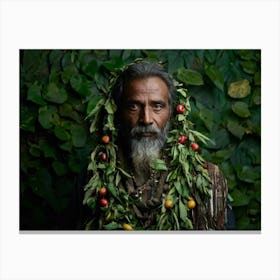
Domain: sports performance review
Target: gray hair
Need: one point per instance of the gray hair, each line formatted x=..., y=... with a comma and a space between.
x=142, y=70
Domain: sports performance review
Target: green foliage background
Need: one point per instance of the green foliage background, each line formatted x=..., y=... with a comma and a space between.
x=58, y=88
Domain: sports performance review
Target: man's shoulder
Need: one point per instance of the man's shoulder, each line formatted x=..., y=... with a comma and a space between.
x=217, y=177
x=215, y=209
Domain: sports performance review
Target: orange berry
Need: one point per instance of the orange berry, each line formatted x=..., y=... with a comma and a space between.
x=103, y=191
x=105, y=139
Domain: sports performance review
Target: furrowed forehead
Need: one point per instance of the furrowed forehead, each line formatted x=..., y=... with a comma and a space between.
x=153, y=86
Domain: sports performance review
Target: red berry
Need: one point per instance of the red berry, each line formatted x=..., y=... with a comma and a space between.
x=103, y=156
x=195, y=146
x=182, y=139
x=103, y=191
x=103, y=202
x=180, y=109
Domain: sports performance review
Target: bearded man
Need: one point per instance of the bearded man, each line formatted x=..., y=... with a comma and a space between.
x=144, y=97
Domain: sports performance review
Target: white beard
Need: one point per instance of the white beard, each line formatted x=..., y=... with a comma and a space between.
x=145, y=150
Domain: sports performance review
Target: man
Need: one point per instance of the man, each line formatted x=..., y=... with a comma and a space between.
x=144, y=96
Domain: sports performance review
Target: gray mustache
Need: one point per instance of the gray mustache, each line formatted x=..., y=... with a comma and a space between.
x=144, y=129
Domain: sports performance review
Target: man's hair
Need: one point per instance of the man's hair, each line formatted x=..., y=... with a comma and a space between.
x=142, y=70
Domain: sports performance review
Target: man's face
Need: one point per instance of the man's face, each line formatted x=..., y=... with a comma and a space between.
x=145, y=103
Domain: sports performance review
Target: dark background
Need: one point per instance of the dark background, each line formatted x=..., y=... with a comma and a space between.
x=58, y=89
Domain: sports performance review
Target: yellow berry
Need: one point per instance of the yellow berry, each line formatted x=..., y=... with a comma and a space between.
x=168, y=204
x=191, y=204
x=127, y=227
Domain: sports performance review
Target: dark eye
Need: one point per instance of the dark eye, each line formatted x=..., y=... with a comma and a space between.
x=132, y=107
x=158, y=106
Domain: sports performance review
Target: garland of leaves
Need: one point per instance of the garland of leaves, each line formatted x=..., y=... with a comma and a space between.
x=187, y=177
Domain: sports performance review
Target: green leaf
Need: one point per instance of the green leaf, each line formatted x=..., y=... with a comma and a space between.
x=28, y=118
x=223, y=155
x=59, y=168
x=61, y=133
x=48, y=149
x=171, y=176
x=243, y=223
x=68, y=72
x=182, y=211
x=236, y=129
x=210, y=55
x=180, y=117
x=188, y=178
x=110, y=106
x=257, y=78
x=248, y=174
x=35, y=150
x=79, y=135
x=181, y=189
x=215, y=76
x=66, y=110
x=176, y=220
x=247, y=54
x=190, y=77
x=75, y=163
x=112, y=189
x=117, y=178
x=229, y=173
x=241, y=109
x=55, y=94
x=109, y=170
x=162, y=221
x=159, y=164
x=124, y=172
x=80, y=84
x=110, y=122
x=47, y=116
x=91, y=202
x=93, y=102
x=175, y=61
x=102, y=82
x=239, y=198
x=99, y=103
x=207, y=117
x=90, y=68
x=201, y=137
x=67, y=146
x=239, y=89
x=34, y=94
x=111, y=226
x=182, y=92
x=248, y=152
x=189, y=224
x=219, y=139
x=114, y=63
x=198, y=181
x=249, y=67
x=257, y=95
x=175, y=152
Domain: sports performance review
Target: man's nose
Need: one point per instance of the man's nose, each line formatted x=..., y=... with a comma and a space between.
x=146, y=117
